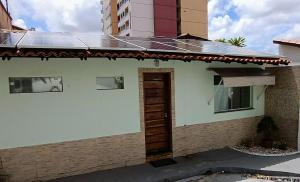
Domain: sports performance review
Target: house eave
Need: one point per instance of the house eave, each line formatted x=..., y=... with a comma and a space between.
x=7, y=53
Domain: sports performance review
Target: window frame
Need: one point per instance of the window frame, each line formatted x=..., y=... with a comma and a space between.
x=111, y=88
x=217, y=81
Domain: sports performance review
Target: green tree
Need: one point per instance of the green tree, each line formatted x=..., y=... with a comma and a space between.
x=236, y=41
x=221, y=40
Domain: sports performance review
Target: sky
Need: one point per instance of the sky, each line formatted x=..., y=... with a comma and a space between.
x=259, y=21
x=57, y=15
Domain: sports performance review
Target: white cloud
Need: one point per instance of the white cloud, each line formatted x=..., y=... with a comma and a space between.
x=260, y=21
x=20, y=23
x=60, y=15
x=292, y=33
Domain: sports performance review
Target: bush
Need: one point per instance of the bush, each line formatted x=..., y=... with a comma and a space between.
x=281, y=144
x=248, y=143
x=268, y=129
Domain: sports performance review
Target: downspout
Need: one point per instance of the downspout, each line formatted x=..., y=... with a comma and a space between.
x=178, y=8
x=6, y=3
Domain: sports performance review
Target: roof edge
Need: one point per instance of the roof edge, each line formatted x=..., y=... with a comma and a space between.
x=7, y=53
x=285, y=42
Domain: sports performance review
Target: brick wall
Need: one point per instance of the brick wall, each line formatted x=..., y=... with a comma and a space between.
x=202, y=137
x=70, y=158
x=77, y=157
x=282, y=102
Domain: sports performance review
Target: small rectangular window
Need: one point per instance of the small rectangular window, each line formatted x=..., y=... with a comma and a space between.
x=35, y=84
x=110, y=83
x=232, y=98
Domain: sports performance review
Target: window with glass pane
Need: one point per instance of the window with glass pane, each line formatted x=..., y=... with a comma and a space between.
x=232, y=98
x=110, y=83
x=35, y=84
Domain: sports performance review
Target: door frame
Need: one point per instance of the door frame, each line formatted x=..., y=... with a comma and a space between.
x=170, y=71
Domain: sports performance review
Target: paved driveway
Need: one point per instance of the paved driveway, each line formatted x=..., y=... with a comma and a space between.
x=218, y=160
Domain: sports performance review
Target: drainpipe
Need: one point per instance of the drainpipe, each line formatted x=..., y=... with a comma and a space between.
x=6, y=2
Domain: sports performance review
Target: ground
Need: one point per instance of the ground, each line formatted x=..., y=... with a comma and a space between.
x=226, y=160
x=224, y=178
x=219, y=177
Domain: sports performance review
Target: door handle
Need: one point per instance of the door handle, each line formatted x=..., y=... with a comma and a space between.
x=166, y=115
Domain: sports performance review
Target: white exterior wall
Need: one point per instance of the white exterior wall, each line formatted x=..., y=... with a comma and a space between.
x=124, y=19
x=291, y=52
x=106, y=17
x=82, y=112
x=141, y=18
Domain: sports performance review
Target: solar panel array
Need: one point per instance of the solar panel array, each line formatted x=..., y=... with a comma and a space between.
x=10, y=39
x=98, y=41
x=51, y=41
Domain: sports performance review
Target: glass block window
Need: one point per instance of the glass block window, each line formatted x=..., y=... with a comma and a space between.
x=110, y=83
x=35, y=84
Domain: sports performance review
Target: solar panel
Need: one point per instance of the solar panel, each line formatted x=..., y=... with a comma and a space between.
x=10, y=39
x=51, y=41
x=154, y=44
x=98, y=41
x=219, y=48
x=187, y=47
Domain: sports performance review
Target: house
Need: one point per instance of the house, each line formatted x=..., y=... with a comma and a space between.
x=73, y=103
x=148, y=18
x=289, y=48
x=287, y=89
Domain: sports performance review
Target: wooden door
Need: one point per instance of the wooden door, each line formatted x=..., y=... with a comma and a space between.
x=157, y=108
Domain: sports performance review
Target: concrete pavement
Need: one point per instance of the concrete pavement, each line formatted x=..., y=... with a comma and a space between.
x=226, y=159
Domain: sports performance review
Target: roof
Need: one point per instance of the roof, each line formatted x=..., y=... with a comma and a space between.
x=85, y=45
x=295, y=43
x=190, y=36
x=15, y=27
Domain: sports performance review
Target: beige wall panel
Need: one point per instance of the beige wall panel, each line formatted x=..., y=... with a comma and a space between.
x=197, y=29
x=198, y=138
x=52, y=161
x=194, y=4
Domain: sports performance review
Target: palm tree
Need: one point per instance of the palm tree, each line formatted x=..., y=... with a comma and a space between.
x=238, y=41
x=223, y=40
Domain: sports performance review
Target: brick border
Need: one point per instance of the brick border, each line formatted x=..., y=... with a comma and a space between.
x=57, y=160
x=141, y=72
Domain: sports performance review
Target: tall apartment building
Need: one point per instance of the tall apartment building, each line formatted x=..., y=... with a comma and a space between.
x=146, y=18
x=5, y=18
x=109, y=17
